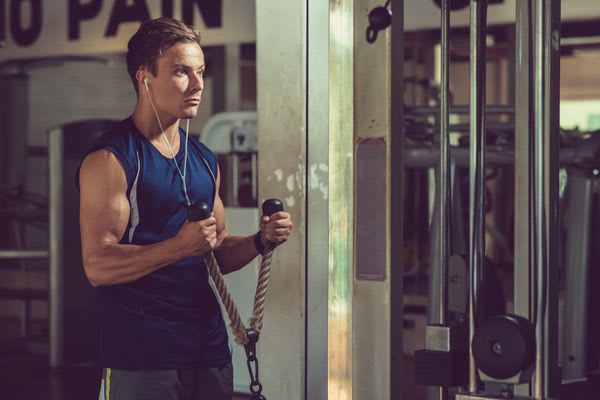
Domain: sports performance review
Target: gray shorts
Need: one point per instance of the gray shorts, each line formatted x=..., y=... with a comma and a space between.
x=168, y=384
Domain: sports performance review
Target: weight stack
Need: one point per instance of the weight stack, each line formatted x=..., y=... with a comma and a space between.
x=445, y=360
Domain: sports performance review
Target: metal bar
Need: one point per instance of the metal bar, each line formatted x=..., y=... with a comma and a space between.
x=444, y=169
x=425, y=156
x=23, y=254
x=497, y=126
x=458, y=109
x=539, y=254
x=539, y=229
x=428, y=157
x=522, y=218
x=460, y=396
x=55, y=233
x=476, y=171
x=396, y=199
x=578, y=227
x=545, y=175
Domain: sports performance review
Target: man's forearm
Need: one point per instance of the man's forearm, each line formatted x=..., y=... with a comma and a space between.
x=123, y=263
x=235, y=252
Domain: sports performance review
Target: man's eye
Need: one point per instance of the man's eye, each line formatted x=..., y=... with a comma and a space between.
x=180, y=72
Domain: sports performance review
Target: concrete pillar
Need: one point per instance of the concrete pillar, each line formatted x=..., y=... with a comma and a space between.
x=281, y=134
x=371, y=294
x=331, y=331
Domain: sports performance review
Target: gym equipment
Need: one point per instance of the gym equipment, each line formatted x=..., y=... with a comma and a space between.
x=247, y=337
x=232, y=137
x=444, y=360
x=504, y=348
x=512, y=349
x=379, y=19
x=460, y=4
x=453, y=4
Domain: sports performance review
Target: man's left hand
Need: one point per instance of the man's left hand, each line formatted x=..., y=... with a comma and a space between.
x=276, y=228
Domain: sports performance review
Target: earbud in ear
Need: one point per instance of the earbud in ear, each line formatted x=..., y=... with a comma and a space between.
x=146, y=84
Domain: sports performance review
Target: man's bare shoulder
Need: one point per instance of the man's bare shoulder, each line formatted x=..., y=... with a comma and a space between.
x=102, y=166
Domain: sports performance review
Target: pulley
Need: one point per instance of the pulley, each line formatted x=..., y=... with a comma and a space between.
x=503, y=346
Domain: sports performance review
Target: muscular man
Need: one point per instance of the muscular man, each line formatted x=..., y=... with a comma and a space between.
x=162, y=333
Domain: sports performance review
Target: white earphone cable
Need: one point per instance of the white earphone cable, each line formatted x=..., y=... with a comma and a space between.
x=187, y=132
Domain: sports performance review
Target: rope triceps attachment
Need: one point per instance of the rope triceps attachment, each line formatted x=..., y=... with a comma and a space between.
x=252, y=363
x=247, y=337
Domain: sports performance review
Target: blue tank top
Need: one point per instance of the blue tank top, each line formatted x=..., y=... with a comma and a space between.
x=170, y=318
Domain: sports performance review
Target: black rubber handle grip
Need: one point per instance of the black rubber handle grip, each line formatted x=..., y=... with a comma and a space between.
x=201, y=211
x=271, y=206
x=198, y=211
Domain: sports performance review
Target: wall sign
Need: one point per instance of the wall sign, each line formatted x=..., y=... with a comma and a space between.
x=34, y=28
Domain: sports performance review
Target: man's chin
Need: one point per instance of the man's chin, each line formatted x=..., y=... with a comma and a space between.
x=187, y=114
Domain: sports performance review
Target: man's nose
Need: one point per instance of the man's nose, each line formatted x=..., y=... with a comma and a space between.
x=197, y=83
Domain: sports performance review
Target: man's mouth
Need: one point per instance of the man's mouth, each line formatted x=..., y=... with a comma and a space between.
x=193, y=101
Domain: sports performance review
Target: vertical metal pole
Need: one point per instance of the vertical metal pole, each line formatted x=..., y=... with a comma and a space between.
x=523, y=132
x=396, y=185
x=476, y=171
x=547, y=46
x=444, y=170
x=539, y=228
x=444, y=167
x=56, y=278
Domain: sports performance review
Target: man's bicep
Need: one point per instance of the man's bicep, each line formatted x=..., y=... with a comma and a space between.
x=104, y=209
x=218, y=207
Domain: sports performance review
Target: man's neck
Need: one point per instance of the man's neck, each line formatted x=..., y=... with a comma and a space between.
x=146, y=122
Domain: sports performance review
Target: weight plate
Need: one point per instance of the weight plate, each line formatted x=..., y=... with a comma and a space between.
x=503, y=346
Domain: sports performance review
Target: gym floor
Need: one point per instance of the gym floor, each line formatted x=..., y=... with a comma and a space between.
x=27, y=377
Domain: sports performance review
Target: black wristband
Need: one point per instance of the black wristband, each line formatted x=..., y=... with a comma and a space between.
x=258, y=244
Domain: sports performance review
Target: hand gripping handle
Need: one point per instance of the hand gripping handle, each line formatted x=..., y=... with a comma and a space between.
x=271, y=206
x=198, y=211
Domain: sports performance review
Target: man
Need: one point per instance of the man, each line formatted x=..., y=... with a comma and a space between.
x=162, y=333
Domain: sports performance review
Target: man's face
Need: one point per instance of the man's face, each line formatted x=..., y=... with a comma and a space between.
x=177, y=87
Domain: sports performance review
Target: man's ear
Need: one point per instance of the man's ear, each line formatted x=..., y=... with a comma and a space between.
x=141, y=76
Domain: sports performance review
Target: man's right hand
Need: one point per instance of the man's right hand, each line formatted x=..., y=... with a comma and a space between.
x=198, y=237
